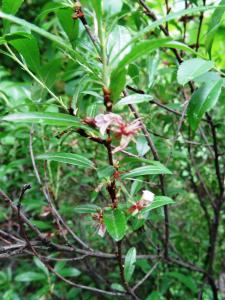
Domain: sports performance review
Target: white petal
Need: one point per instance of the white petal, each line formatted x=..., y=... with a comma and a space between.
x=148, y=196
x=101, y=230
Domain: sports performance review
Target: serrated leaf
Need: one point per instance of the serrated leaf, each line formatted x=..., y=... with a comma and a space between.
x=115, y=222
x=202, y=100
x=129, y=265
x=67, y=158
x=155, y=169
x=193, y=68
x=159, y=201
x=134, y=99
x=86, y=209
x=44, y=118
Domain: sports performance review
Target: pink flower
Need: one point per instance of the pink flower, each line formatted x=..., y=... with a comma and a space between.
x=146, y=200
x=98, y=218
x=125, y=131
x=104, y=121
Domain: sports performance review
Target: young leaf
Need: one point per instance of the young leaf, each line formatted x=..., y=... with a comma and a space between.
x=56, y=119
x=134, y=99
x=215, y=22
x=129, y=265
x=155, y=169
x=115, y=222
x=193, y=68
x=158, y=202
x=67, y=158
x=202, y=100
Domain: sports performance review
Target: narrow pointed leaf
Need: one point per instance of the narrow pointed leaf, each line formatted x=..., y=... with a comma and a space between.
x=86, y=209
x=45, y=118
x=67, y=158
x=134, y=99
x=155, y=169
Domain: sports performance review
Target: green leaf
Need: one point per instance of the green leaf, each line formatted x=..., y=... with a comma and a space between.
x=112, y=6
x=156, y=169
x=215, y=22
x=67, y=158
x=70, y=26
x=117, y=39
x=56, y=119
x=117, y=83
x=193, y=68
x=69, y=272
x=106, y=171
x=202, y=100
x=30, y=276
x=28, y=48
x=10, y=7
x=129, y=265
x=86, y=209
x=7, y=38
x=56, y=39
x=41, y=266
x=142, y=146
x=142, y=48
x=115, y=222
x=134, y=99
x=117, y=287
x=159, y=201
x=185, y=279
